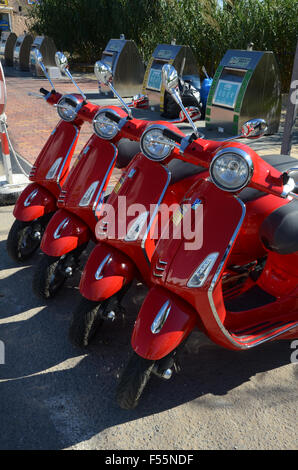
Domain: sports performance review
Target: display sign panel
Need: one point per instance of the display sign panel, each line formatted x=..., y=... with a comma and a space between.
x=154, y=80
x=226, y=93
x=242, y=62
x=115, y=46
x=165, y=54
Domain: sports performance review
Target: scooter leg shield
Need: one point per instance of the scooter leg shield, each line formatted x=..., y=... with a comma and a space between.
x=106, y=272
x=164, y=321
x=34, y=202
x=64, y=233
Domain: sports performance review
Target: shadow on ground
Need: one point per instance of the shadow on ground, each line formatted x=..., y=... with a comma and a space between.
x=55, y=396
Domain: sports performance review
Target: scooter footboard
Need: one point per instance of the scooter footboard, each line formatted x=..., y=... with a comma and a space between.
x=34, y=202
x=106, y=272
x=64, y=233
x=164, y=321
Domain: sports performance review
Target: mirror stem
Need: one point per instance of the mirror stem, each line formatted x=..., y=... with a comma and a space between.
x=179, y=102
x=73, y=81
x=46, y=74
x=121, y=101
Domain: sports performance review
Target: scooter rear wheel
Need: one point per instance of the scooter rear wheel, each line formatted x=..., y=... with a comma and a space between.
x=133, y=381
x=21, y=242
x=86, y=321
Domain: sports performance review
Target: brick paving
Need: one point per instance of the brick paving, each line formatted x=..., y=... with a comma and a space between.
x=31, y=120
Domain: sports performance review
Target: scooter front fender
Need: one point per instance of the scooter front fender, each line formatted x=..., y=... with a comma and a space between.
x=34, y=202
x=64, y=233
x=164, y=321
x=106, y=272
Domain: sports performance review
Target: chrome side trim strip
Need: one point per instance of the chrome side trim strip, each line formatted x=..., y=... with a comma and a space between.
x=217, y=274
x=155, y=212
x=69, y=150
x=95, y=208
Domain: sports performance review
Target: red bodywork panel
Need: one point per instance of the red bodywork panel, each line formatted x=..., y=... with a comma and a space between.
x=180, y=322
x=116, y=271
x=34, y=201
x=64, y=233
x=145, y=185
x=222, y=326
x=60, y=145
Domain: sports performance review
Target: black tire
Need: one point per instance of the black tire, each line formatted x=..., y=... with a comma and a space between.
x=86, y=321
x=20, y=244
x=48, y=278
x=133, y=381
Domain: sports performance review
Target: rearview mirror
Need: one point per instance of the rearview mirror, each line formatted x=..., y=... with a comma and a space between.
x=254, y=129
x=61, y=61
x=37, y=55
x=103, y=72
x=170, y=78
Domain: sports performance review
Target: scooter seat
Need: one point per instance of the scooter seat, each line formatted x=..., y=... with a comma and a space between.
x=127, y=149
x=180, y=170
x=281, y=163
x=279, y=231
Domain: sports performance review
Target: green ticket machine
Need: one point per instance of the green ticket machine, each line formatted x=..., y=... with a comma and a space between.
x=125, y=60
x=246, y=85
x=182, y=58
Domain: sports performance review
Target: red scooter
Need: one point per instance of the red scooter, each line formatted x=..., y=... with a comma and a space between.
x=126, y=242
x=81, y=199
x=37, y=203
x=240, y=286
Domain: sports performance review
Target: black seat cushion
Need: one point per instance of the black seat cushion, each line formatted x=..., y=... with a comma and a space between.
x=127, y=149
x=279, y=231
x=180, y=170
x=281, y=163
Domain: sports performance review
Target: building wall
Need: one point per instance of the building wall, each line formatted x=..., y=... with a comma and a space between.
x=18, y=15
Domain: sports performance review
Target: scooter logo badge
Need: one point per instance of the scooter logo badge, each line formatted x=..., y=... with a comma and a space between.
x=61, y=226
x=30, y=198
x=161, y=318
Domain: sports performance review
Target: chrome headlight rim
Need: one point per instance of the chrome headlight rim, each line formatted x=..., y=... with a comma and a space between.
x=150, y=129
x=78, y=105
x=245, y=157
x=102, y=112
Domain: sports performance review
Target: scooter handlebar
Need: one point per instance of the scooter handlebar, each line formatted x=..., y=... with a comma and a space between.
x=173, y=135
x=113, y=116
x=44, y=91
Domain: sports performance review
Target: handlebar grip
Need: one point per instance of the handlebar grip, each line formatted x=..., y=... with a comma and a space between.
x=113, y=116
x=44, y=91
x=173, y=135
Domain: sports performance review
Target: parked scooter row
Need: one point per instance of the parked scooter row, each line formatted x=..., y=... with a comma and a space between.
x=237, y=283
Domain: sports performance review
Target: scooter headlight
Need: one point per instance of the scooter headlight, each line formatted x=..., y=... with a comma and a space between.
x=68, y=107
x=104, y=127
x=155, y=145
x=231, y=169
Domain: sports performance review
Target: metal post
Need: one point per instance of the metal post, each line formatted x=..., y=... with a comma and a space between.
x=5, y=150
x=291, y=110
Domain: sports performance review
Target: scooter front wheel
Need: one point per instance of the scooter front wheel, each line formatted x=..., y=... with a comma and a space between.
x=24, y=239
x=86, y=321
x=133, y=381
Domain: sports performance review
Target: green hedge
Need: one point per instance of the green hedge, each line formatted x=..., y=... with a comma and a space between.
x=83, y=27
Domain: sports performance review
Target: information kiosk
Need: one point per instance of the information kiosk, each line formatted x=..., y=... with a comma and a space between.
x=182, y=58
x=245, y=86
x=48, y=49
x=7, y=44
x=21, y=52
x=124, y=58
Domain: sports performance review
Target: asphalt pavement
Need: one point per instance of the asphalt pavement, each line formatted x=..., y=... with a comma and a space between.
x=54, y=396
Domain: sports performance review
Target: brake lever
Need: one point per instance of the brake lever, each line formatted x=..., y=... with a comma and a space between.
x=36, y=95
